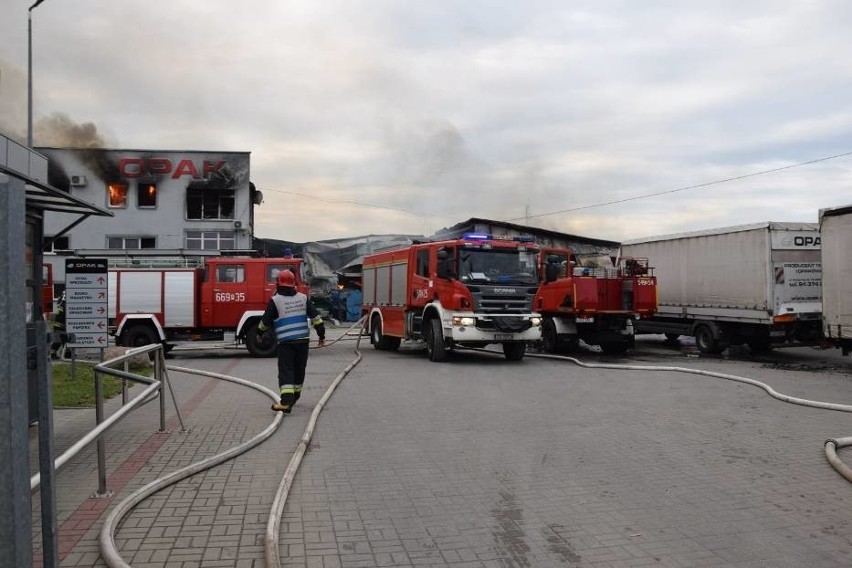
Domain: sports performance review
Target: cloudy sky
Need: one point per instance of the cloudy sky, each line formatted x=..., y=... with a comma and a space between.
x=380, y=116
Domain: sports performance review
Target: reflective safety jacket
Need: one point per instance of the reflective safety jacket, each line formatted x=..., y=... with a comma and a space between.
x=289, y=315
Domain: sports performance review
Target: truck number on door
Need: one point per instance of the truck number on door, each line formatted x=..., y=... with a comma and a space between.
x=230, y=296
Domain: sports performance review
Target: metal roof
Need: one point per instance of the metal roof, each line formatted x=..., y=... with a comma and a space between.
x=43, y=197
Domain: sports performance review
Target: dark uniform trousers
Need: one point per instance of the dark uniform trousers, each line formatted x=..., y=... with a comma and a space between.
x=292, y=362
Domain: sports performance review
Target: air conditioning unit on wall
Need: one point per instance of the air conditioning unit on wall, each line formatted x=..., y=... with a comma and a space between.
x=238, y=225
x=78, y=181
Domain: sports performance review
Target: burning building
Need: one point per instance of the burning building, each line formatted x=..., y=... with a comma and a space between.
x=165, y=203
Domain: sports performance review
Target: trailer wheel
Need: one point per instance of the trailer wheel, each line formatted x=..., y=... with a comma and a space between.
x=514, y=351
x=260, y=343
x=706, y=340
x=379, y=340
x=140, y=335
x=435, y=345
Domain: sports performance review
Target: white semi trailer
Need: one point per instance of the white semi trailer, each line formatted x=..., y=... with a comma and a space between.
x=756, y=284
x=836, y=233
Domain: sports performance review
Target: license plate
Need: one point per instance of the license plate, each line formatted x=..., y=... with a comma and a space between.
x=585, y=320
x=503, y=336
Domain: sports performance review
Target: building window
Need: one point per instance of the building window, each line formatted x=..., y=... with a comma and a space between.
x=230, y=273
x=59, y=243
x=209, y=203
x=117, y=195
x=146, y=195
x=131, y=243
x=210, y=240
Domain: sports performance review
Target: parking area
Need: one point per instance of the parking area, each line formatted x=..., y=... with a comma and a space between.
x=484, y=462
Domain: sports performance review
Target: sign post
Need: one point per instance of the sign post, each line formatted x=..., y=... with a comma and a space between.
x=86, y=309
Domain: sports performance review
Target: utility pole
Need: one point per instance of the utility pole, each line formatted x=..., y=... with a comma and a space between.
x=30, y=73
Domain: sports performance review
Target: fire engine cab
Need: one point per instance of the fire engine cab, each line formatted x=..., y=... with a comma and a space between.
x=219, y=299
x=473, y=291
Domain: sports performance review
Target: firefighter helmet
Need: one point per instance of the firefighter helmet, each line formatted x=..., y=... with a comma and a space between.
x=286, y=279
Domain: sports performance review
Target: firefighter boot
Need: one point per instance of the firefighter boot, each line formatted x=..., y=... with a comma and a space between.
x=281, y=407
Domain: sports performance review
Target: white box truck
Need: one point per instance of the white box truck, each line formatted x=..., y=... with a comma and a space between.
x=835, y=226
x=756, y=284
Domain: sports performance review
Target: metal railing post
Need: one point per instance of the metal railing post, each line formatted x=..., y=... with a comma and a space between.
x=101, y=443
x=158, y=372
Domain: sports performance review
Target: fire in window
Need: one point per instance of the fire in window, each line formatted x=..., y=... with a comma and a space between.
x=146, y=195
x=117, y=195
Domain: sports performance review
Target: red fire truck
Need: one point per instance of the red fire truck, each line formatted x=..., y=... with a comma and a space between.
x=595, y=303
x=473, y=291
x=220, y=299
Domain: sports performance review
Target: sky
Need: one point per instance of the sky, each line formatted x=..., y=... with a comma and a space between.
x=390, y=117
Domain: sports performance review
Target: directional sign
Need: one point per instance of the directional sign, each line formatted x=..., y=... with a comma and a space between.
x=86, y=306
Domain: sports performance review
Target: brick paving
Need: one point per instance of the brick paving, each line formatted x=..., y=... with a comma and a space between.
x=478, y=463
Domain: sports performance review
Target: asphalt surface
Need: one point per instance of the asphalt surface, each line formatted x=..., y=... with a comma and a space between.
x=479, y=462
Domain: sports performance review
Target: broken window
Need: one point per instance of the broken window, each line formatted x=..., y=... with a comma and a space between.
x=209, y=203
x=146, y=195
x=117, y=195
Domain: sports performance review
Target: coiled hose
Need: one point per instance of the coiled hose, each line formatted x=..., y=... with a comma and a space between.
x=109, y=551
x=831, y=445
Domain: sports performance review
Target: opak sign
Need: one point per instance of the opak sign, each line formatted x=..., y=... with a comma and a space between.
x=86, y=301
x=138, y=167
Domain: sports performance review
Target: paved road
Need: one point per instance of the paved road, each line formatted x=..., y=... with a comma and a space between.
x=484, y=463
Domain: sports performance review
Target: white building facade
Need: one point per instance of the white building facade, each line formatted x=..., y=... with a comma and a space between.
x=165, y=203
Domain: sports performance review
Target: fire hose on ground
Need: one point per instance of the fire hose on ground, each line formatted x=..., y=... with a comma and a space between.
x=831, y=445
x=107, y=535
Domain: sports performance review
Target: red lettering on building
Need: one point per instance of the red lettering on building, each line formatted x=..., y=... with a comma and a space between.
x=159, y=165
x=184, y=168
x=131, y=167
x=139, y=167
x=210, y=167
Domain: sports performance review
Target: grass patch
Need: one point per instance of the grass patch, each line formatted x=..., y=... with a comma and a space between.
x=80, y=390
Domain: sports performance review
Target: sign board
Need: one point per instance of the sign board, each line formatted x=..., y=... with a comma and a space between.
x=86, y=301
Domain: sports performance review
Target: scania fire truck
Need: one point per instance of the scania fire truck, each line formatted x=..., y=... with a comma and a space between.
x=221, y=299
x=473, y=291
x=596, y=302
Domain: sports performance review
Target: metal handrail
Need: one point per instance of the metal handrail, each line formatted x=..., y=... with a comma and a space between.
x=155, y=385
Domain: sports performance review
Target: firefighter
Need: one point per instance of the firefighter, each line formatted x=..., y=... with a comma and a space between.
x=288, y=313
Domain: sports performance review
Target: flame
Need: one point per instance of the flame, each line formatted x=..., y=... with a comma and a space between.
x=117, y=194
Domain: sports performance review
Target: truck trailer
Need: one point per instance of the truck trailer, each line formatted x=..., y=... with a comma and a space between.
x=473, y=291
x=757, y=284
x=835, y=226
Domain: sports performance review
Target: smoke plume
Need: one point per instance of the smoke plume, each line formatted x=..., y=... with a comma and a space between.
x=59, y=131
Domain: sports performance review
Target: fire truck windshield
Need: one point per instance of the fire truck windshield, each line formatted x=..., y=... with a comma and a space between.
x=496, y=266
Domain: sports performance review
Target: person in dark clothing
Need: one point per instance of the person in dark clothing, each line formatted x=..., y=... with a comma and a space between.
x=288, y=313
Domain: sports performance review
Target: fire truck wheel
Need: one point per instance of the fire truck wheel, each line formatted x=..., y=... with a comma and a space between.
x=260, y=343
x=435, y=346
x=139, y=335
x=514, y=351
x=549, y=338
x=381, y=341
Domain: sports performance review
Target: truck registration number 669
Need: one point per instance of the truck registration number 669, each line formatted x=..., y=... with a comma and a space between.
x=230, y=297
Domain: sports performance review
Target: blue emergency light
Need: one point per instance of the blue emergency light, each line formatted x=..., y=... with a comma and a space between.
x=477, y=236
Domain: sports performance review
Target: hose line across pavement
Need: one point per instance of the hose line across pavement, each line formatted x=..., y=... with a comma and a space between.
x=108, y=548
x=831, y=445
